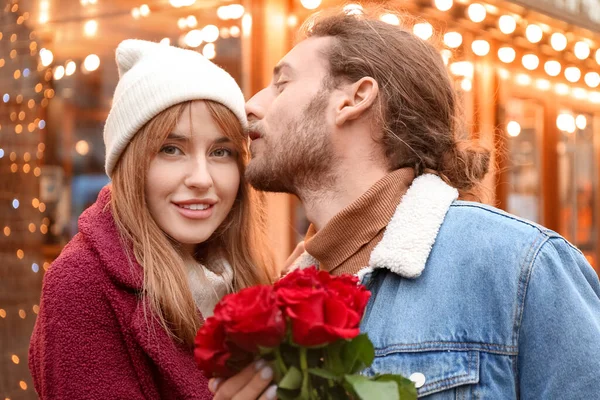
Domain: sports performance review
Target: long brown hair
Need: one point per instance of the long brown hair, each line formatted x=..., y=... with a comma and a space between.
x=417, y=110
x=241, y=239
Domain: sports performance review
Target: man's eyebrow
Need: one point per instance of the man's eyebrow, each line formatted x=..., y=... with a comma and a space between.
x=279, y=67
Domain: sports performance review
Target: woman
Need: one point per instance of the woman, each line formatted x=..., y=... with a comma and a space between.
x=176, y=230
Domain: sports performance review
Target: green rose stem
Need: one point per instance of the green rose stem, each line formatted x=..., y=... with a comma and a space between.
x=304, y=367
x=280, y=363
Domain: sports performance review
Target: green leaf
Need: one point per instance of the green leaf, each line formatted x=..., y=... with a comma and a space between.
x=287, y=394
x=358, y=354
x=323, y=373
x=292, y=380
x=333, y=358
x=406, y=387
x=367, y=389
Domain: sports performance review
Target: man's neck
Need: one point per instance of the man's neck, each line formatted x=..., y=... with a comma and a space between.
x=351, y=182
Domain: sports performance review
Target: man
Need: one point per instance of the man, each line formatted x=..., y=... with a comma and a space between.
x=360, y=123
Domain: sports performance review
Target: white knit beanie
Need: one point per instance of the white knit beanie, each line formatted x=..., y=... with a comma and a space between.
x=154, y=77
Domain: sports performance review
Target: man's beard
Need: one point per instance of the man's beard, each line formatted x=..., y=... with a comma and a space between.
x=302, y=160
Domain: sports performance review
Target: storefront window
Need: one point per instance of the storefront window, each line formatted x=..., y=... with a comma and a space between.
x=524, y=126
x=577, y=181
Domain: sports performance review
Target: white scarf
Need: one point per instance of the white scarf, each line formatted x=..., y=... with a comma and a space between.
x=207, y=287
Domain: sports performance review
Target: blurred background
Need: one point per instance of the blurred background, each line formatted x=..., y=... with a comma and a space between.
x=527, y=72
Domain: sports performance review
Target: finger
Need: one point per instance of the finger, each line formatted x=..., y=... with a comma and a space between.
x=260, y=381
x=227, y=389
x=270, y=393
x=213, y=384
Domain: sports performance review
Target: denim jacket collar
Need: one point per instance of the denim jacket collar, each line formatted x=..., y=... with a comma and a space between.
x=411, y=233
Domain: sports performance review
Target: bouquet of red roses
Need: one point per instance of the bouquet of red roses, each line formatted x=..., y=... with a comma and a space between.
x=307, y=327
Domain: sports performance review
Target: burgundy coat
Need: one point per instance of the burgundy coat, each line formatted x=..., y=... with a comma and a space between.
x=92, y=339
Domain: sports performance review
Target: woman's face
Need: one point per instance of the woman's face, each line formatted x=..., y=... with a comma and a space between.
x=192, y=182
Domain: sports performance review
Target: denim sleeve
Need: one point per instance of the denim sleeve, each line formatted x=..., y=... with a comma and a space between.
x=559, y=335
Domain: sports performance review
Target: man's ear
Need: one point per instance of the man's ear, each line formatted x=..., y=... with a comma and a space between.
x=358, y=99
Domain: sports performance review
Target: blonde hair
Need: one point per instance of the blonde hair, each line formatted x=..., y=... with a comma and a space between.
x=241, y=239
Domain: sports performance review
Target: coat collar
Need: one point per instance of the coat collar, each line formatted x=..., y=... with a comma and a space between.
x=411, y=233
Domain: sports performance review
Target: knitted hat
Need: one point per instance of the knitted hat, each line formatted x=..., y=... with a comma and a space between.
x=154, y=77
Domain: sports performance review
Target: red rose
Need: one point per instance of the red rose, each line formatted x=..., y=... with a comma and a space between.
x=211, y=352
x=251, y=318
x=321, y=308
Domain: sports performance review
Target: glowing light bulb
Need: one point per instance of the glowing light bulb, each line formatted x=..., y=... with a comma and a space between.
x=476, y=12
x=542, y=84
x=581, y=121
x=558, y=41
x=480, y=47
x=582, y=50
x=513, y=128
x=592, y=79
x=390, y=19
x=573, y=74
x=507, y=54
x=530, y=61
x=91, y=63
x=507, y=24
x=70, y=68
x=90, y=28
x=424, y=30
x=443, y=5
x=310, y=4
x=193, y=38
x=552, y=68
x=453, y=39
x=59, y=72
x=210, y=33
x=46, y=57
x=534, y=33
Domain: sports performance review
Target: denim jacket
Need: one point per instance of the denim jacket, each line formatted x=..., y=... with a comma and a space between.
x=470, y=302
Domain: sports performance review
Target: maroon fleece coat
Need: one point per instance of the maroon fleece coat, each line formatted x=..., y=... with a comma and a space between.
x=92, y=338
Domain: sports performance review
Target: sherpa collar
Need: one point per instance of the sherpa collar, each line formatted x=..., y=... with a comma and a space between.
x=411, y=233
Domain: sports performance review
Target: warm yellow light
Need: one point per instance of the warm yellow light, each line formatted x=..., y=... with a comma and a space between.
x=573, y=74
x=552, y=68
x=443, y=5
x=462, y=68
x=32, y=227
x=144, y=10
x=46, y=57
x=165, y=41
x=561, y=89
x=59, y=72
x=566, y=123
x=592, y=79
x=70, y=68
x=558, y=41
x=23, y=385
x=234, y=31
x=424, y=30
x=594, y=97
x=466, y=85
x=579, y=93
x=476, y=12
x=598, y=56
x=193, y=38
x=507, y=54
x=82, y=147
x=210, y=33
x=523, y=79
x=191, y=21
x=530, y=61
x=20, y=254
x=353, y=9
x=446, y=56
x=90, y=28
x=582, y=50
x=27, y=157
x=36, y=308
x=182, y=23
x=581, y=121
x=91, y=63
x=310, y=4
x=453, y=39
x=391, y=19
x=135, y=13
x=35, y=203
x=513, y=128
x=534, y=33
x=542, y=84
x=209, y=51
x=6, y=231
x=480, y=47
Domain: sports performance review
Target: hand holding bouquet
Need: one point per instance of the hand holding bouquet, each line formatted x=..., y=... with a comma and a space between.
x=307, y=328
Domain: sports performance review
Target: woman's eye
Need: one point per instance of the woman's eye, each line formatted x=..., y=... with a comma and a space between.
x=221, y=153
x=170, y=150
